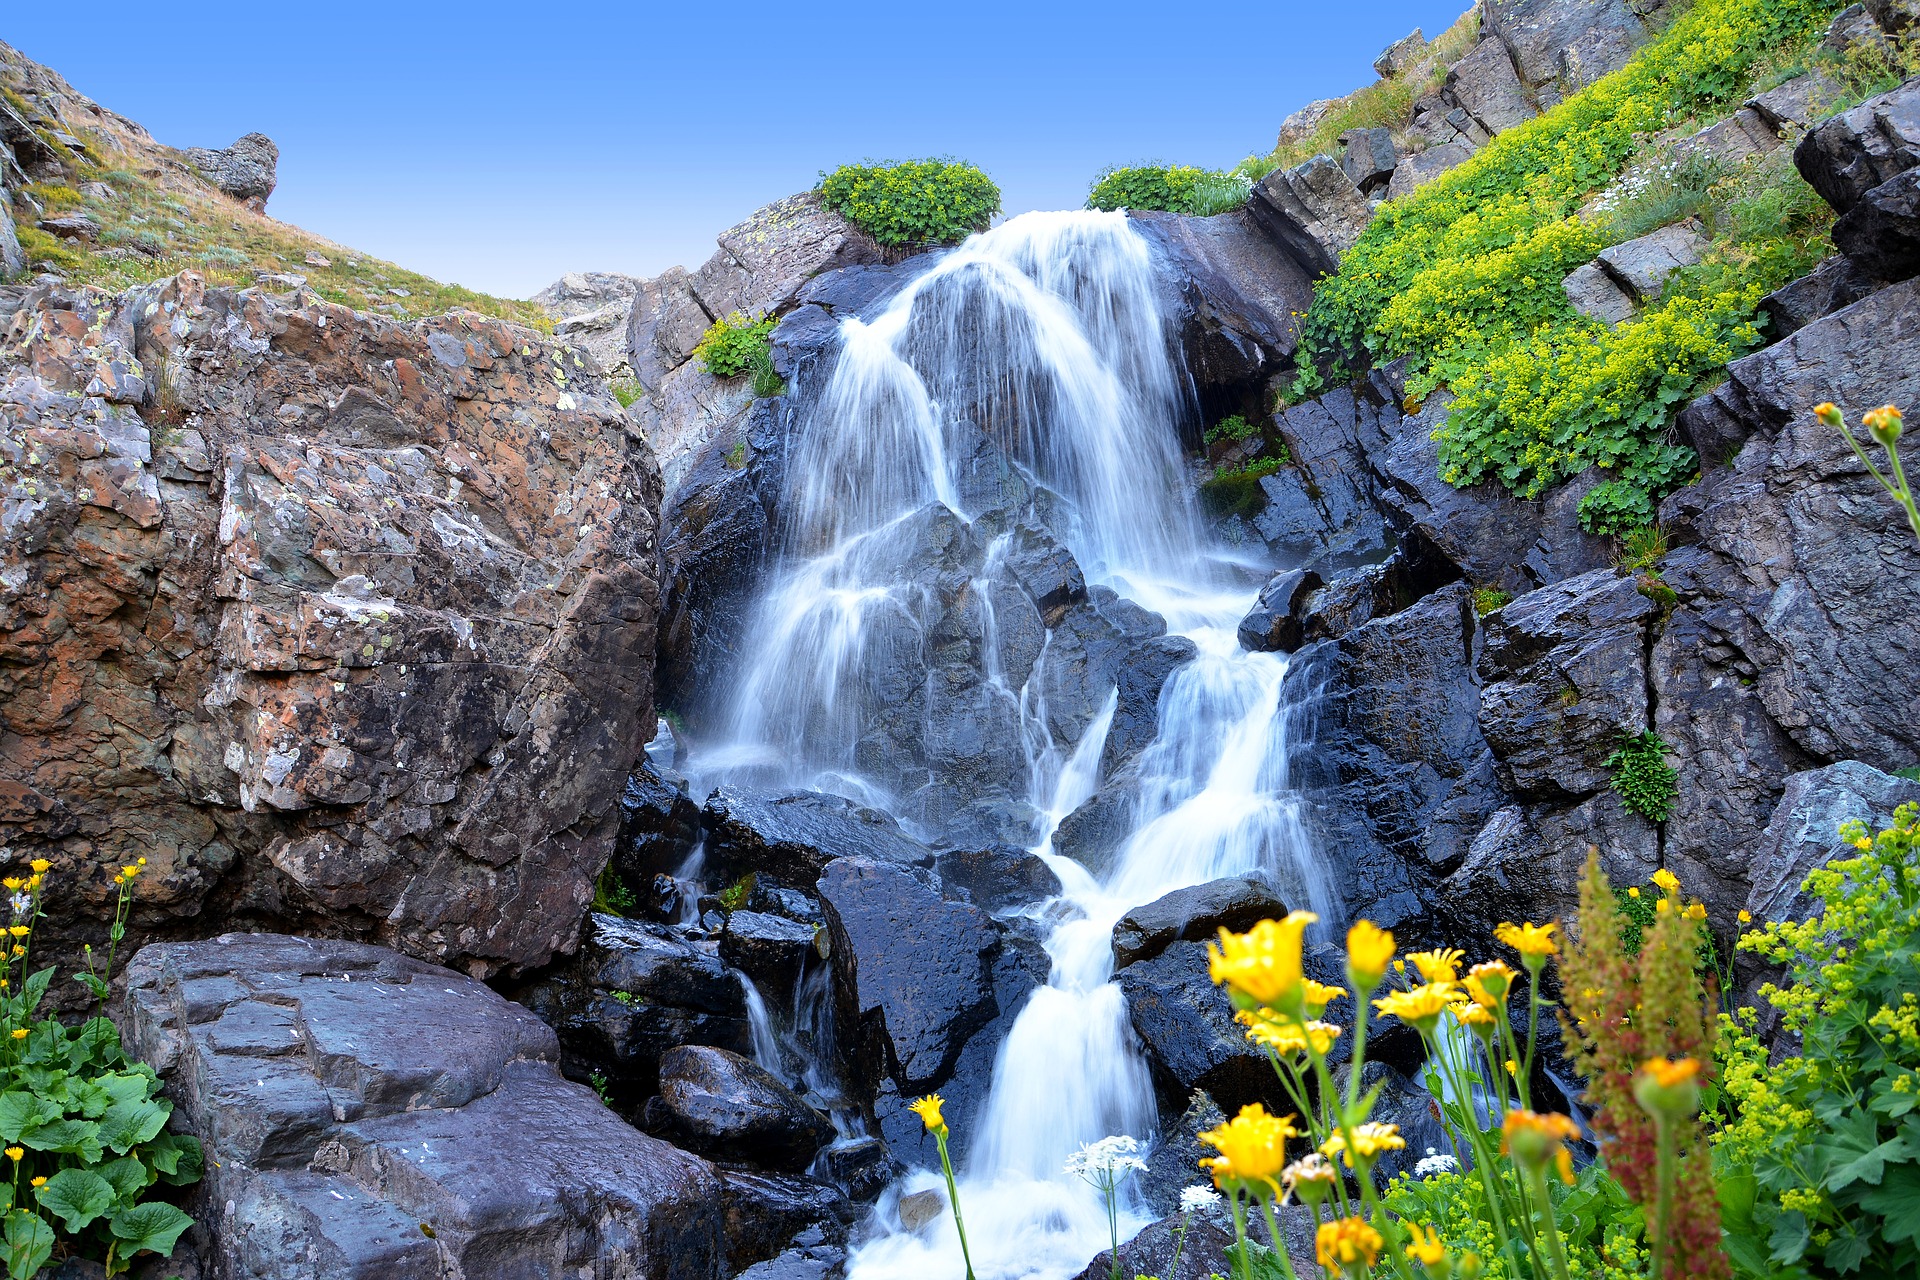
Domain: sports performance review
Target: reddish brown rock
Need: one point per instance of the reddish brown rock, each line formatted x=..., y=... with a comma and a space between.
x=346, y=625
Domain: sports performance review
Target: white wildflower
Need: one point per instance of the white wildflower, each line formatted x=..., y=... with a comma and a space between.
x=1199, y=1200
x=20, y=902
x=1434, y=1163
x=1106, y=1161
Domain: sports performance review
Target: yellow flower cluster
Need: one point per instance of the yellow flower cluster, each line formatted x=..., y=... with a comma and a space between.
x=1262, y=967
x=1253, y=1151
x=1370, y=1141
x=1350, y=1244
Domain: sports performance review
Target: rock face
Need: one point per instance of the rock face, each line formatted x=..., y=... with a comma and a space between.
x=724, y=1106
x=1194, y=913
x=247, y=170
x=335, y=620
x=1804, y=834
x=1314, y=211
x=591, y=310
x=349, y=1097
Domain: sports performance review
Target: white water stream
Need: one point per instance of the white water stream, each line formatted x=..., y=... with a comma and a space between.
x=1050, y=330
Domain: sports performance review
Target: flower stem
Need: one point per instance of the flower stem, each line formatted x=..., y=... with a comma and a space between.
x=1555, y=1250
x=953, y=1198
x=1663, y=1202
x=1273, y=1234
x=1242, y=1262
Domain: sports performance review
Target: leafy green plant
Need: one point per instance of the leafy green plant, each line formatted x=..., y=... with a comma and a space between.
x=1487, y=599
x=84, y=1127
x=1644, y=780
x=1462, y=278
x=1235, y=491
x=611, y=894
x=1233, y=428
x=767, y=381
x=1175, y=188
x=737, y=456
x=732, y=343
x=626, y=391
x=907, y=202
x=1820, y=1164
x=1641, y=548
x=734, y=896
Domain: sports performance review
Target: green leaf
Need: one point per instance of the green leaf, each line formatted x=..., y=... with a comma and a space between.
x=152, y=1226
x=128, y=1124
x=76, y=1197
x=1848, y=1248
x=1789, y=1238
x=178, y=1158
x=36, y=988
x=22, y=1113
x=29, y=1243
x=127, y=1176
x=95, y=985
x=1856, y=1152
x=72, y=1137
x=1897, y=1198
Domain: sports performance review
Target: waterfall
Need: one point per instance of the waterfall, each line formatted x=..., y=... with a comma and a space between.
x=1045, y=337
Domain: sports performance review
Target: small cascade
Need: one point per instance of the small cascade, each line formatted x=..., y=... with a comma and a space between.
x=1035, y=353
x=766, y=1047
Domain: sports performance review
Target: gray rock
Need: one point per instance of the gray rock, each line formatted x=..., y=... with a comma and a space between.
x=773, y=1215
x=1173, y=1164
x=1566, y=680
x=1526, y=862
x=1203, y=1251
x=1414, y=571
x=910, y=965
x=1402, y=55
x=12, y=260
x=1575, y=41
x=1882, y=232
x=1797, y=104
x=763, y=262
x=999, y=876
x=1804, y=834
x=72, y=226
x=247, y=170
x=790, y=838
x=1299, y=125
x=1323, y=510
x=1485, y=85
x=347, y=1095
x=1369, y=157
x=1837, y=282
x=729, y=1108
x=1273, y=624
x=1187, y=1027
x=1314, y=211
x=1894, y=16
x=769, y=949
x=1238, y=295
x=1422, y=167
x=1595, y=294
x=593, y=310
x=1853, y=29
x=1730, y=142
x=1849, y=155
x=1195, y=913
x=1641, y=266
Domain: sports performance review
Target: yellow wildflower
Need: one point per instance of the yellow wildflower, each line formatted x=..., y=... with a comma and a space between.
x=1348, y=1243
x=1489, y=983
x=1470, y=1014
x=16, y=1154
x=1284, y=1035
x=1419, y=1007
x=1534, y=942
x=1634, y=891
x=1262, y=965
x=19, y=930
x=1369, y=951
x=1318, y=995
x=1745, y=916
x=1438, y=966
x=1533, y=1139
x=1667, y=881
x=1423, y=1245
x=1370, y=1141
x=40, y=866
x=19, y=1033
x=1697, y=911
x=1310, y=1178
x=1668, y=1087
x=40, y=1181
x=928, y=1109
x=1253, y=1150
x=13, y=883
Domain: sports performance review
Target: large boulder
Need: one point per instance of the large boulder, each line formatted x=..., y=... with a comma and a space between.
x=1568, y=43
x=791, y=838
x=729, y=1108
x=369, y=1117
x=912, y=973
x=591, y=309
x=1849, y=155
x=1195, y=913
x=1804, y=834
x=333, y=619
x=247, y=170
x=1882, y=232
x=1186, y=1025
x=1484, y=84
x=1314, y=211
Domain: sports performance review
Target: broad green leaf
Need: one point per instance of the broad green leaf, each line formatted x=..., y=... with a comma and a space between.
x=76, y=1197
x=21, y=1113
x=1789, y=1238
x=127, y=1176
x=1856, y=1152
x=1897, y=1198
x=1848, y=1249
x=36, y=988
x=184, y=1161
x=29, y=1243
x=128, y=1124
x=73, y=1137
x=152, y=1226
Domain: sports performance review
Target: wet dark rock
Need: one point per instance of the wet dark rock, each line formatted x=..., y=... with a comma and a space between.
x=1094, y=832
x=1565, y=668
x=1393, y=754
x=634, y=991
x=1046, y=571
x=1174, y=1163
x=1238, y=293
x=911, y=966
x=816, y=1262
x=863, y=1166
x=1838, y=282
x=1804, y=834
x=769, y=949
x=1203, y=1253
x=727, y=1107
x=1527, y=861
x=1273, y=624
x=659, y=827
x=1882, y=232
x=767, y=1212
x=1414, y=571
x=346, y=1095
x=1851, y=154
x=999, y=876
x=1400, y=1101
x=1322, y=510
x=1314, y=211
x=791, y=838
x=1096, y=652
x=1187, y=1027
x=1195, y=913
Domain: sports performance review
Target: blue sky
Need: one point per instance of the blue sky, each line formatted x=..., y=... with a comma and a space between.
x=498, y=147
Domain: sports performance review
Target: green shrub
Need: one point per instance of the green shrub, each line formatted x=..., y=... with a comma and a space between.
x=1174, y=188
x=1646, y=783
x=626, y=391
x=1234, y=427
x=767, y=381
x=1487, y=600
x=913, y=201
x=83, y=1126
x=1462, y=278
x=731, y=344
x=1820, y=1164
x=1235, y=491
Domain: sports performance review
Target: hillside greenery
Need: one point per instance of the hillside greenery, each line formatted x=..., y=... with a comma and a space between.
x=1176, y=188
x=160, y=221
x=1462, y=278
x=913, y=202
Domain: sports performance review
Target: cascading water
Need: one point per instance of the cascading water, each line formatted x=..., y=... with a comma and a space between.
x=1046, y=336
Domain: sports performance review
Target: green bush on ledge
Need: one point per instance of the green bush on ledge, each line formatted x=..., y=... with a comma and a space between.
x=912, y=201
